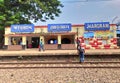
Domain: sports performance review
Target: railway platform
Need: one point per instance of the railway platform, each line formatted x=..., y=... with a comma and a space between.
x=35, y=52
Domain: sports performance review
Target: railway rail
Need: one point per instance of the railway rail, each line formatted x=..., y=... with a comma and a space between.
x=40, y=64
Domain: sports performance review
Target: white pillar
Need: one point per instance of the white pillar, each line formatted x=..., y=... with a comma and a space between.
x=59, y=39
x=114, y=28
x=23, y=40
x=42, y=37
x=6, y=40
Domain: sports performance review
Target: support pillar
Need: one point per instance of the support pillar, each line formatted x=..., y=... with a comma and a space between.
x=59, y=41
x=24, y=42
x=75, y=37
x=6, y=40
x=42, y=37
x=115, y=35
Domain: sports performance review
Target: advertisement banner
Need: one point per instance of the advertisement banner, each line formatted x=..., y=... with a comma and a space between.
x=97, y=26
x=59, y=27
x=104, y=34
x=22, y=28
x=88, y=34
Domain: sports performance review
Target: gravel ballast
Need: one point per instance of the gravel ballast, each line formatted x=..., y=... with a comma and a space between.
x=60, y=75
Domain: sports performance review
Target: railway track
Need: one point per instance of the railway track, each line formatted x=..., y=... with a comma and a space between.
x=40, y=64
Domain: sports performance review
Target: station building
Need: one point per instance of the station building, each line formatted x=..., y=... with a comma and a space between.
x=97, y=35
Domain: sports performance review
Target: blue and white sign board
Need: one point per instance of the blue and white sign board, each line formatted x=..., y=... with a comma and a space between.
x=59, y=27
x=118, y=30
x=22, y=28
x=88, y=34
x=97, y=26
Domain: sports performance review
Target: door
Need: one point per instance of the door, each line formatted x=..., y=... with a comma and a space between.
x=35, y=42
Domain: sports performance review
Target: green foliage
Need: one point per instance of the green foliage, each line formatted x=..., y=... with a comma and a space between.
x=35, y=9
x=22, y=11
x=1, y=1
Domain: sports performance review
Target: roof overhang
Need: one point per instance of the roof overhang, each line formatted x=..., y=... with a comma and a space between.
x=39, y=34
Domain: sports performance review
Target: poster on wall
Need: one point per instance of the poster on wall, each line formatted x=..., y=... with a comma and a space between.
x=104, y=34
x=88, y=34
x=97, y=26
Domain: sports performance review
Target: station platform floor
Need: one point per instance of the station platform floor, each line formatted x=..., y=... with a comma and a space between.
x=35, y=52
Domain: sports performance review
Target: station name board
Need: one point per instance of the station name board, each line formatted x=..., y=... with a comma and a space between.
x=97, y=26
x=59, y=27
x=22, y=28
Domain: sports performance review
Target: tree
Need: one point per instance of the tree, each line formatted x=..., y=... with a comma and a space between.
x=22, y=11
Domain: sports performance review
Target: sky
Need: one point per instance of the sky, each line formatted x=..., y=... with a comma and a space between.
x=82, y=11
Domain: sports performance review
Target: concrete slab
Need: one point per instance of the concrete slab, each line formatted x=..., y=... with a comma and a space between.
x=35, y=52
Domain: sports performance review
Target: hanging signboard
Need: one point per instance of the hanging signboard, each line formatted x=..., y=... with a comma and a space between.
x=118, y=30
x=22, y=28
x=97, y=26
x=59, y=27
